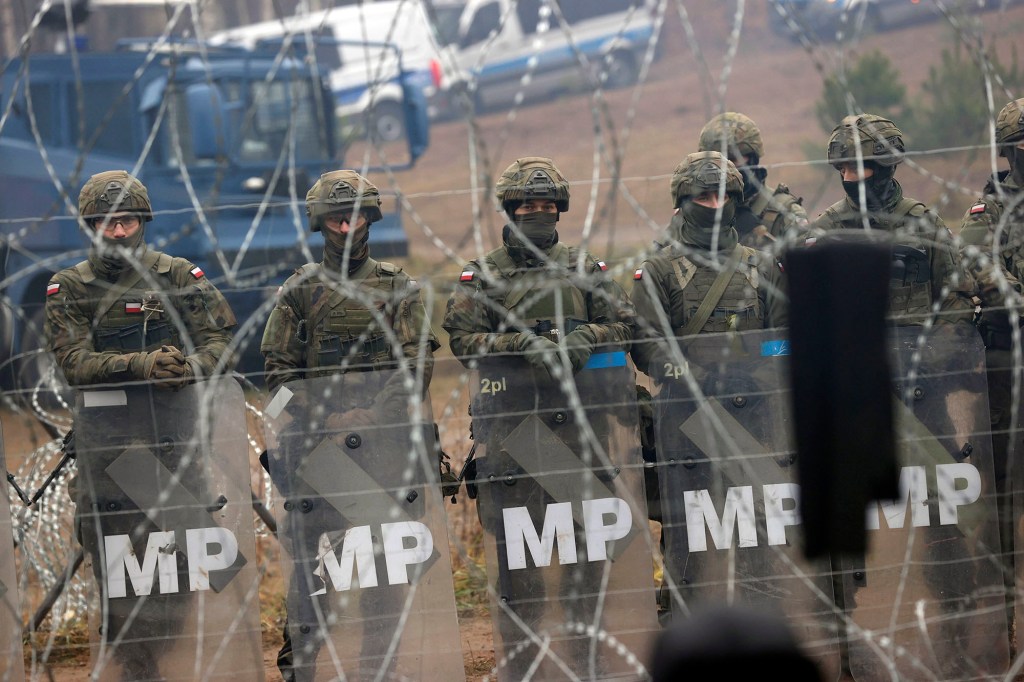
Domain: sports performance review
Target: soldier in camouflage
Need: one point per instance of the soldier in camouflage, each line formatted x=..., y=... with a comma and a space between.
x=534, y=297
x=763, y=215
x=671, y=287
x=130, y=314
x=991, y=245
x=348, y=313
x=927, y=277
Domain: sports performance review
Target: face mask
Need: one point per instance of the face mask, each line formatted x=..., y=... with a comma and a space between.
x=753, y=181
x=704, y=216
x=1015, y=156
x=335, y=243
x=877, y=189
x=538, y=228
x=106, y=256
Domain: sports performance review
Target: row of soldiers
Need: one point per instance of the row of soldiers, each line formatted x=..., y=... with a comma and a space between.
x=132, y=314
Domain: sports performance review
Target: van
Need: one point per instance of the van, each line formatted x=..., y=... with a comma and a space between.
x=355, y=46
x=501, y=42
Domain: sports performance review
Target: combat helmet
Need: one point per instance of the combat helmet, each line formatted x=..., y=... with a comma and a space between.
x=111, y=192
x=1010, y=125
x=705, y=172
x=532, y=177
x=338, y=191
x=742, y=136
x=878, y=139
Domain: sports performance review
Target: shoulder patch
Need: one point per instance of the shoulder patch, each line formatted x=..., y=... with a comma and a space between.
x=52, y=288
x=977, y=208
x=639, y=274
x=196, y=272
x=467, y=276
x=133, y=307
x=601, y=264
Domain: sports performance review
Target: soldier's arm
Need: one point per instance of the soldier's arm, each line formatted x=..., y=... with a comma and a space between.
x=412, y=327
x=773, y=291
x=982, y=258
x=612, y=317
x=654, y=320
x=68, y=330
x=208, y=321
x=284, y=344
x=471, y=321
x=948, y=274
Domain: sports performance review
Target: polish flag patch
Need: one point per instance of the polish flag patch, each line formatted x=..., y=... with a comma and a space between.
x=197, y=272
x=639, y=274
x=466, y=276
x=602, y=265
x=51, y=289
x=133, y=307
x=977, y=208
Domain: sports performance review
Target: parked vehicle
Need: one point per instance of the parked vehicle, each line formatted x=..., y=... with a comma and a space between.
x=833, y=19
x=501, y=41
x=364, y=74
x=227, y=143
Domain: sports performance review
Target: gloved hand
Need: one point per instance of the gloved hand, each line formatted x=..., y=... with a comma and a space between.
x=579, y=345
x=167, y=368
x=355, y=419
x=542, y=354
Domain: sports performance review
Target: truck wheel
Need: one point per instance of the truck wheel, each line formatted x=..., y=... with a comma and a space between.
x=619, y=69
x=386, y=122
x=37, y=382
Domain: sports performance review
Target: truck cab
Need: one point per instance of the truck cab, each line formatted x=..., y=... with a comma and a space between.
x=227, y=142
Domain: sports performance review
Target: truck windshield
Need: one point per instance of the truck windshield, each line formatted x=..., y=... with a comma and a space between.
x=262, y=120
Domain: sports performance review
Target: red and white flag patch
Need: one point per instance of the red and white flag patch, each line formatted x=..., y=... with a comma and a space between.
x=977, y=208
x=466, y=276
x=131, y=307
x=602, y=265
x=639, y=274
x=197, y=272
x=53, y=288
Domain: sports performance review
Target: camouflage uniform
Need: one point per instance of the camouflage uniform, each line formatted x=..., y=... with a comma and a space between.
x=507, y=303
x=992, y=226
x=349, y=313
x=763, y=215
x=118, y=319
x=925, y=264
x=675, y=280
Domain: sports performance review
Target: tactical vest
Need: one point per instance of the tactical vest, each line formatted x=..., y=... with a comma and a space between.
x=536, y=295
x=341, y=332
x=130, y=316
x=772, y=210
x=739, y=308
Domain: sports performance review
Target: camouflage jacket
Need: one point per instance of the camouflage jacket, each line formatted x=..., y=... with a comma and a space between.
x=992, y=246
x=670, y=286
x=478, y=318
x=917, y=292
x=100, y=332
x=322, y=325
x=780, y=216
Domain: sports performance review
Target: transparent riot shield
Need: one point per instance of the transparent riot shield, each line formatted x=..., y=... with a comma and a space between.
x=729, y=493
x=12, y=666
x=164, y=512
x=927, y=601
x=370, y=592
x=560, y=497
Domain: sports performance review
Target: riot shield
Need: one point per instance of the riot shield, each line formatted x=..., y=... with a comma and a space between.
x=12, y=665
x=729, y=492
x=927, y=599
x=164, y=512
x=370, y=593
x=560, y=497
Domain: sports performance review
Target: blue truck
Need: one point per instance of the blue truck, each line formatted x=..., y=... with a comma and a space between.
x=227, y=140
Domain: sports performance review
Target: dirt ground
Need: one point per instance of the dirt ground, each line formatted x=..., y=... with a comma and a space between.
x=638, y=136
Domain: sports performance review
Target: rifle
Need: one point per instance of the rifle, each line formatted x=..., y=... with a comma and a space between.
x=467, y=470
x=67, y=447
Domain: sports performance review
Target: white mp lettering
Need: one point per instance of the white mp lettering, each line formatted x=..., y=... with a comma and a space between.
x=403, y=544
x=913, y=493
x=701, y=516
x=121, y=559
x=777, y=513
x=520, y=534
x=201, y=562
x=599, y=533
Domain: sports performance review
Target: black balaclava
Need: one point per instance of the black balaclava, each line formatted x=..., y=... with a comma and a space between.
x=695, y=225
x=879, y=190
x=538, y=228
x=106, y=259
x=754, y=176
x=1015, y=156
x=334, y=248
